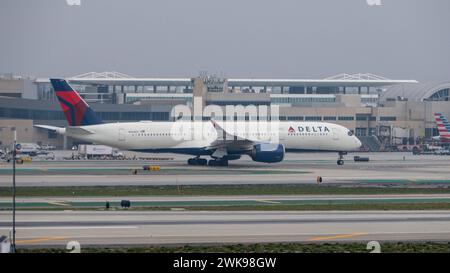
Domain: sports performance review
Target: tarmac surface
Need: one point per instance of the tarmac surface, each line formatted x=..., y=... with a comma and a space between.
x=40, y=228
x=296, y=168
x=45, y=228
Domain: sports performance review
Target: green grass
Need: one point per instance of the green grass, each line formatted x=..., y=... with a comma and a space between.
x=262, y=248
x=308, y=207
x=193, y=190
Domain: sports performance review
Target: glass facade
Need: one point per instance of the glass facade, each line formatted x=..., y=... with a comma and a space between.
x=313, y=118
x=361, y=132
x=17, y=113
x=130, y=98
x=295, y=118
x=441, y=95
x=388, y=118
x=243, y=103
x=301, y=100
x=31, y=114
x=345, y=118
x=431, y=132
x=369, y=100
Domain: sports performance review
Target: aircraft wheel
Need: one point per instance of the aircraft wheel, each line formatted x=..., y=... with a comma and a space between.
x=196, y=161
x=212, y=162
x=218, y=162
x=340, y=162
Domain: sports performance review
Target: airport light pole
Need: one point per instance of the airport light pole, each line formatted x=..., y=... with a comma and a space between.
x=14, y=153
x=13, y=244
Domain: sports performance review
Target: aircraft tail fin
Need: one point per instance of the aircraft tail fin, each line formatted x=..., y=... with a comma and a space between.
x=443, y=125
x=76, y=110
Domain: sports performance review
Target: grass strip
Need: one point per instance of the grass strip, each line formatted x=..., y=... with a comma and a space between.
x=307, y=207
x=261, y=248
x=200, y=190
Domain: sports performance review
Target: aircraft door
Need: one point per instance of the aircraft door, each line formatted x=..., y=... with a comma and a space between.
x=122, y=134
x=335, y=135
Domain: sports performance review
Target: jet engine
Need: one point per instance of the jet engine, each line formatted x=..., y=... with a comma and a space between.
x=268, y=153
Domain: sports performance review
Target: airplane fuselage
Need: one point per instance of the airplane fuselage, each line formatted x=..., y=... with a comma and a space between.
x=263, y=141
x=163, y=137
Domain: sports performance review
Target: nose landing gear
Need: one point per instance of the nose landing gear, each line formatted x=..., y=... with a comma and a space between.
x=340, y=161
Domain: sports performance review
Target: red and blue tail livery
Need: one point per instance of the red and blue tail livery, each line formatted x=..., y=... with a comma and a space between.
x=76, y=110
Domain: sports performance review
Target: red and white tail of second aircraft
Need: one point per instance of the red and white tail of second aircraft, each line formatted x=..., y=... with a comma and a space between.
x=443, y=127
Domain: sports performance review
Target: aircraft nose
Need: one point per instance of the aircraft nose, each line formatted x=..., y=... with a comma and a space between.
x=358, y=143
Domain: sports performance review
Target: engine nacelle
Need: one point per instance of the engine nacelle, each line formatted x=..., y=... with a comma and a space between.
x=268, y=153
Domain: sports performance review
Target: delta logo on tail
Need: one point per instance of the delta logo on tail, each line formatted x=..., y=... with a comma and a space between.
x=443, y=127
x=76, y=110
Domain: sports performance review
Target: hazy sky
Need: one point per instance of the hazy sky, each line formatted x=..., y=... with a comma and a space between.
x=407, y=39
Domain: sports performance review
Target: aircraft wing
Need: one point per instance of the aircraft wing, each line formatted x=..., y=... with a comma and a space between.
x=229, y=142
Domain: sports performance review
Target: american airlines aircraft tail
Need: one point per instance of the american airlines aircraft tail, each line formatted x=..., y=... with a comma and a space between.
x=443, y=127
x=263, y=141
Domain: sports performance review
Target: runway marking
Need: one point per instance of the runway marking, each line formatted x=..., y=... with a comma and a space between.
x=343, y=236
x=40, y=240
x=59, y=203
x=268, y=201
x=73, y=227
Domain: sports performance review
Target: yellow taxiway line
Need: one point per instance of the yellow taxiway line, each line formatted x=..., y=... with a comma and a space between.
x=343, y=236
x=40, y=240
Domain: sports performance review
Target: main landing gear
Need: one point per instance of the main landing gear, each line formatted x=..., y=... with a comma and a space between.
x=340, y=161
x=197, y=161
x=218, y=162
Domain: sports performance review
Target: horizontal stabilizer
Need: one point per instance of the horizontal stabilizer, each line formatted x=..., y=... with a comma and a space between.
x=47, y=127
x=78, y=131
x=58, y=130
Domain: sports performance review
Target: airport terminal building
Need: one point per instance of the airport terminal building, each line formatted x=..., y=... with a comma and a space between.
x=382, y=112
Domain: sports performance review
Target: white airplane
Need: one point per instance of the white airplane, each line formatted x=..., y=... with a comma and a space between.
x=221, y=141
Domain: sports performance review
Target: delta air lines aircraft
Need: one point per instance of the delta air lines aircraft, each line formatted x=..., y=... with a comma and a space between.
x=219, y=140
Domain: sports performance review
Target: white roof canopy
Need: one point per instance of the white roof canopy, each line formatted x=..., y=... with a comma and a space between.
x=341, y=80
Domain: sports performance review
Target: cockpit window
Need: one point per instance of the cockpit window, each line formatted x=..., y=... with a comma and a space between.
x=350, y=133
